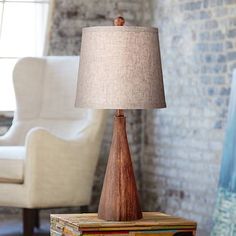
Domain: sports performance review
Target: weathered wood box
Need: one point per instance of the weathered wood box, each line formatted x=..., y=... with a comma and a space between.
x=152, y=224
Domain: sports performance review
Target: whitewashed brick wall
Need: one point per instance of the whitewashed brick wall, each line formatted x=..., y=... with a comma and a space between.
x=184, y=142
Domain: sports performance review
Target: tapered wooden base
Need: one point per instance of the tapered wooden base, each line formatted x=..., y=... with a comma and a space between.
x=119, y=199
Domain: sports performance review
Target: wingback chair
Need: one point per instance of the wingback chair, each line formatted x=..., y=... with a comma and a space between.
x=48, y=156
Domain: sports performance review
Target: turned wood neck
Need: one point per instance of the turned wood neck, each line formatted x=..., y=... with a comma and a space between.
x=119, y=113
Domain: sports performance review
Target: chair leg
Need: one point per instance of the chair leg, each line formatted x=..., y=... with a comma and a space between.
x=84, y=209
x=28, y=221
x=37, y=219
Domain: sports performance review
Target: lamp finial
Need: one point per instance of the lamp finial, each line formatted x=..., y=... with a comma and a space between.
x=119, y=21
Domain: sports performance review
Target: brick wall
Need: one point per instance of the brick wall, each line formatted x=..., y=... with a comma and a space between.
x=184, y=142
x=70, y=16
x=68, y=19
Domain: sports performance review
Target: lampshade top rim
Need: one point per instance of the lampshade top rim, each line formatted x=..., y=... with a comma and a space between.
x=120, y=28
x=125, y=107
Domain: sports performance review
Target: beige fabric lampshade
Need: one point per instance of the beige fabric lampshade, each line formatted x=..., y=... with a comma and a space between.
x=120, y=68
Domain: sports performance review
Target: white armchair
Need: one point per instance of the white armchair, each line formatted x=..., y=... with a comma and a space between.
x=48, y=156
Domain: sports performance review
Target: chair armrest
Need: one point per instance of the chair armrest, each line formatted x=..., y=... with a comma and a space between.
x=59, y=172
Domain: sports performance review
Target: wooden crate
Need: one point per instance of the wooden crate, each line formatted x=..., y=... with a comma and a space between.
x=153, y=223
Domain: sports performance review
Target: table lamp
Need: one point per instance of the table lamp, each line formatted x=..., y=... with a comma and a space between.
x=120, y=68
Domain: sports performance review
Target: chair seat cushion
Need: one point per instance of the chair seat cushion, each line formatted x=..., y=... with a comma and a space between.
x=12, y=164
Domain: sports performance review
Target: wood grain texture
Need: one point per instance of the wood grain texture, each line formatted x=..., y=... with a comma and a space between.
x=152, y=223
x=119, y=199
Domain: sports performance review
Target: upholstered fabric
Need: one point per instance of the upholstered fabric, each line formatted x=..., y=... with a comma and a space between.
x=120, y=68
x=61, y=143
x=12, y=164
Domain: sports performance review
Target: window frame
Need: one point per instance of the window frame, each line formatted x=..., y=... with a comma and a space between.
x=46, y=34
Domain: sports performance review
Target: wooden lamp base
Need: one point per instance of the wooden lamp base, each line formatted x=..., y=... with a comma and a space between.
x=119, y=199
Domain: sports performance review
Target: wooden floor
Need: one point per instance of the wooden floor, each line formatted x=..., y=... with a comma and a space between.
x=13, y=227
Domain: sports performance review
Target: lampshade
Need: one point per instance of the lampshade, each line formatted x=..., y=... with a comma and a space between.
x=120, y=68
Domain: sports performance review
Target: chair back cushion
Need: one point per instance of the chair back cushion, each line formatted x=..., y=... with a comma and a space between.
x=45, y=88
